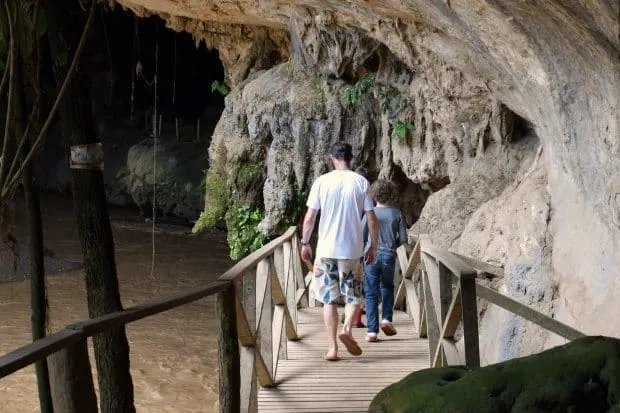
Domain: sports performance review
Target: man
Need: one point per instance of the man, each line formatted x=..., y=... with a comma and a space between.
x=342, y=196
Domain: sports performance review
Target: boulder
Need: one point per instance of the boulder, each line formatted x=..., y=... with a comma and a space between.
x=178, y=175
x=581, y=376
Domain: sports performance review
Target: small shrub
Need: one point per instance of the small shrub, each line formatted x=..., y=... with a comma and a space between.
x=244, y=237
x=217, y=86
x=400, y=130
x=352, y=95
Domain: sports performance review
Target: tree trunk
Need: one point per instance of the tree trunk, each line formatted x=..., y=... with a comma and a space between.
x=72, y=381
x=38, y=299
x=65, y=23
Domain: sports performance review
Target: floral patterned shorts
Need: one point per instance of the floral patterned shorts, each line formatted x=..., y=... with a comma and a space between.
x=335, y=278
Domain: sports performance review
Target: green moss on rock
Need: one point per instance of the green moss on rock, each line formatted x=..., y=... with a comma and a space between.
x=217, y=192
x=581, y=376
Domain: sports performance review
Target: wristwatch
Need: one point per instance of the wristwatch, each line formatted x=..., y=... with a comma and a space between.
x=304, y=243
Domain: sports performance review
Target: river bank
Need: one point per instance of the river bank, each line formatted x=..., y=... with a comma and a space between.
x=173, y=355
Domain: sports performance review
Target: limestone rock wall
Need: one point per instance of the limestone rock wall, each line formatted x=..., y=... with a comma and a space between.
x=515, y=152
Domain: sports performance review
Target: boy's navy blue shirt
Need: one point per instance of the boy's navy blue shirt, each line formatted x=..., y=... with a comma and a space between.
x=392, y=230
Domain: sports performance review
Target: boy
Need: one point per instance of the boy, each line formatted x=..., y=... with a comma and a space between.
x=379, y=276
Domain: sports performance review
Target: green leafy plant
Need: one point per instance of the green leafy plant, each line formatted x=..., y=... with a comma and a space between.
x=220, y=87
x=400, y=129
x=248, y=174
x=294, y=209
x=244, y=237
x=353, y=94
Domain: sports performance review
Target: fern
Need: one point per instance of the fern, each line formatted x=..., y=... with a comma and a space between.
x=217, y=86
x=400, y=130
x=352, y=95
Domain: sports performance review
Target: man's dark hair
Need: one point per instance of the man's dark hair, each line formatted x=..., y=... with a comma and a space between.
x=342, y=151
x=384, y=192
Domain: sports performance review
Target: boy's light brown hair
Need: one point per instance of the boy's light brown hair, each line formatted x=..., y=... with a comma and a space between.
x=384, y=192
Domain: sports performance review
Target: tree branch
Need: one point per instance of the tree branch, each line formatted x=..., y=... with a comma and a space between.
x=37, y=143
x=9, y=106
x=35, y=107
x=5, y=75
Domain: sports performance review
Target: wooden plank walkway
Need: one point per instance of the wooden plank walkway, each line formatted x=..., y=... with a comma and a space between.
x=307, y=384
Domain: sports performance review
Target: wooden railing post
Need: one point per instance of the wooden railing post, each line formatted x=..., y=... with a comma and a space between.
x=248, y=293
x=279, y=285
x=445, y=290
x=470, y=320
x=228, y=351
x=72, y=380
x=290, y=288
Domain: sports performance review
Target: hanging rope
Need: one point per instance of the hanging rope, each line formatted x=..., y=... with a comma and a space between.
x=155, y=137
x=107, y=44
x=134, y=65
x=174, y=89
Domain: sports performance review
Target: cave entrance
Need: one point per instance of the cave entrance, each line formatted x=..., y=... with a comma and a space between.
x=140, y=48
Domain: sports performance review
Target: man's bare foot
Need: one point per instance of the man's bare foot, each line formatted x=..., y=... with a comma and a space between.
x=331, y=355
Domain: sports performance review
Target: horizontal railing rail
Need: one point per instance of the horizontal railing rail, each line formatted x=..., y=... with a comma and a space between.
x=257, y=302
x=441, y=288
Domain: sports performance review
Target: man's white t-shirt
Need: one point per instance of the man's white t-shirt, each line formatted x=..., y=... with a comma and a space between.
x=342, y=196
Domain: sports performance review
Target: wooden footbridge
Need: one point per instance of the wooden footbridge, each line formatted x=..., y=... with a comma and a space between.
x=271, y=334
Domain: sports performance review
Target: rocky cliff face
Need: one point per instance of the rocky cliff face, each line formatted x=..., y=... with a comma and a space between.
x=497, y=118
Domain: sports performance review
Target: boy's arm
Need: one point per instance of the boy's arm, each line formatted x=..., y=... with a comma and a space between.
x=373, y=228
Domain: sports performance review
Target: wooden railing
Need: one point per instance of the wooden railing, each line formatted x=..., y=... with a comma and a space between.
x=257, y=302
x=441, y=288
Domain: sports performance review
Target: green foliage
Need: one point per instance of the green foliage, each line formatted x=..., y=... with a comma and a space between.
x=220, y=87
x=294, y=208
x=248, y=174
x=400, y=129
x=352, y=95
x=244, y=237
x=27, y=31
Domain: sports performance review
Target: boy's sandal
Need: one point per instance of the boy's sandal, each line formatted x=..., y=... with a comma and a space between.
x=388, y=328
x=371, y=337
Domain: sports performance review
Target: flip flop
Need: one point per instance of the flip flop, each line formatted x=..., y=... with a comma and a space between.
x=388, y=329
x=330, y=358
x=350, y=344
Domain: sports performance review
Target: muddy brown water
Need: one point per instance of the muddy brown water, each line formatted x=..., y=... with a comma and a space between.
x=173, y=355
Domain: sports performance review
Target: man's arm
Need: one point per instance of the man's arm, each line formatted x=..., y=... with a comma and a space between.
x=402, y=229
x=306, y=233
x=373, y=229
